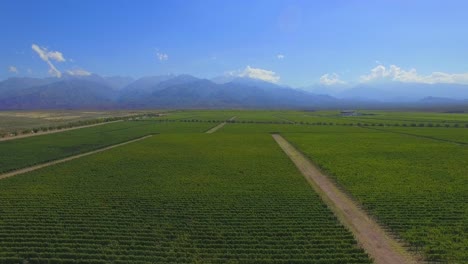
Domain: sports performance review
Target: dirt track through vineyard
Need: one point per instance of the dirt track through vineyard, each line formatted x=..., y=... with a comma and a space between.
x=36, y=167
x=214, y=129
x=370, y=236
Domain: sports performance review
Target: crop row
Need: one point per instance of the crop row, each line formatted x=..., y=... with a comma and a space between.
x=23, y=152
x=416, y=187
x=172, y=198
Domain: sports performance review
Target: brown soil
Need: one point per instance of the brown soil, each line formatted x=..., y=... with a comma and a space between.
x=370, y=236
x=36, y=167
x=54, y=131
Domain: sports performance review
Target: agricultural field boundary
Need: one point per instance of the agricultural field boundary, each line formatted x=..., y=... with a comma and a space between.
x=36, y=167
x=285, y=119
x=379, y=245
x=419, y=136
x=56, y=131
x=215, y=128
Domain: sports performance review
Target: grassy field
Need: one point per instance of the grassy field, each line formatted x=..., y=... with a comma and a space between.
x=233, y=196
x=172, y=198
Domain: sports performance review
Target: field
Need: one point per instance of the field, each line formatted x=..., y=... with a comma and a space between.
x=11, y=121
x=173, y=198
x=457, y=136
x=233, y=196
x=417, y=187
x=19, y=153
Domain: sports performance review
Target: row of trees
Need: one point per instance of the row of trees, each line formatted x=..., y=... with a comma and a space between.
x=454, y=125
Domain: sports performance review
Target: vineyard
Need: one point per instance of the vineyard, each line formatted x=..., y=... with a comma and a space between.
x=458, y=136
x=172, y=198
x=416, y=187
x=233, y=196
x=34, y=150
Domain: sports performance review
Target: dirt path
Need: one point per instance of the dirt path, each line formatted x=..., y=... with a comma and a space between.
x=55, y=131
x=214, y=129
x=36, y=167
x=381, y=247
x=285, y=119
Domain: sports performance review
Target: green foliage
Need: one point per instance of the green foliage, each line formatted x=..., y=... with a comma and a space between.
x=233, y=196
x=417, y=187
x=217, y=198
x=23, y=152
x=445, y=134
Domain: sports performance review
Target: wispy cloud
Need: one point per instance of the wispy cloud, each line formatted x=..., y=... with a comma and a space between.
x=280, y=56
x=79, y=72
x=260, y=74
x=13, y=69
x=395, y=73
x=47, y=56
x=162, y=56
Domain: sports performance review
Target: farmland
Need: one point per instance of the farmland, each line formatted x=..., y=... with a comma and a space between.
x=15, y=154
x=11, y=121
x=416, y=187
x=363, y=117
x=172, y=198
x=458, y=136
x=233, y=195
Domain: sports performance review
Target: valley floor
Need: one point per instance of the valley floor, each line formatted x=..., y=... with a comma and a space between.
x=232, y=195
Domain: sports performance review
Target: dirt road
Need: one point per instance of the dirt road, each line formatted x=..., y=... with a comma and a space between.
x=371, y=237
x=36, y=167
x=55, y=131
x=214, y=129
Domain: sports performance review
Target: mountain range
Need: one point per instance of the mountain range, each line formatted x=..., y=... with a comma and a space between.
x=186, y=91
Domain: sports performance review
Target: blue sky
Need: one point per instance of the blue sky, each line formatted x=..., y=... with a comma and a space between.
x=298, y=43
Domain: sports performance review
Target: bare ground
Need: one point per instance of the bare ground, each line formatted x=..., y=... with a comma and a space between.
x=55, y=131
x=36, y=167
x=370, y=236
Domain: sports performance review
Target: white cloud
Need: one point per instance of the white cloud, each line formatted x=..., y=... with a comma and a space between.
x=13, y=69
x=79, y=72
x=331, y=79
x=47, y=56
x=395, y=73
x=280, y=56
x=162, y=56
x=55, y=55
x=260, y=74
